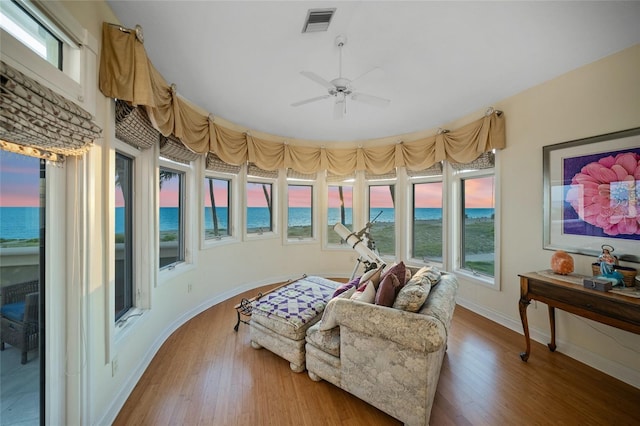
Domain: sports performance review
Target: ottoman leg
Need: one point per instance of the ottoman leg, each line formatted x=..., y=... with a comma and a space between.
x=297, y=368
x=314, y=377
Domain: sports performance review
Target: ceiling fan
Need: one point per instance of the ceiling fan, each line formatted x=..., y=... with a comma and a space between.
x=341, y=88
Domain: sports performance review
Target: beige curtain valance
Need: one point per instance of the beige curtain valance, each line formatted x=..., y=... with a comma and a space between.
x=35, y=116
x=126, y=73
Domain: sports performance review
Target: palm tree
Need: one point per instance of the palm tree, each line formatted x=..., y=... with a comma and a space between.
x=342, y=209
x=213, y=209
x=267, y=197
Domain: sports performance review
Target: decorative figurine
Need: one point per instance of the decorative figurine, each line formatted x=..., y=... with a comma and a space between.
x=607, y=262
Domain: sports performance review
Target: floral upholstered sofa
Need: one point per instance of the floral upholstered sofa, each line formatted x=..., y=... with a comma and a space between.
x=389, y=356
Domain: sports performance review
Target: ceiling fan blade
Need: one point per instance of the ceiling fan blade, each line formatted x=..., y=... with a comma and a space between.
x=372, y=73
x=339, y=107
x=370, y=99
x=315, y=77
x=308, y=101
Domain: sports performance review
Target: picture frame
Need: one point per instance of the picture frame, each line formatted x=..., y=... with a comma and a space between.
x=591, y=195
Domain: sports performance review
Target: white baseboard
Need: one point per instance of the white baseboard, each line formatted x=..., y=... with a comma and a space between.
x=612, y=368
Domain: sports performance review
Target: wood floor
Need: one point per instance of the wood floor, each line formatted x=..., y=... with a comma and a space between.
x=207, y=374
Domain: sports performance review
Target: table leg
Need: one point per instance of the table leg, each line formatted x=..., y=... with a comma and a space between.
x=235, y=328
x=552, y=324
x=523, y=305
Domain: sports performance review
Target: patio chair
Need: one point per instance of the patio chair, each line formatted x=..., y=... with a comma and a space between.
x=19, y=325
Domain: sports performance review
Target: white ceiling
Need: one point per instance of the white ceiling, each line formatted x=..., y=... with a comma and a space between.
x=241, y=60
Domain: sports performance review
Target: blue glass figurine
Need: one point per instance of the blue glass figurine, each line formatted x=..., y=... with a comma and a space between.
x=607, y=262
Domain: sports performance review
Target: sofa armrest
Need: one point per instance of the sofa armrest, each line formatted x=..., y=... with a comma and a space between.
x=416, y=331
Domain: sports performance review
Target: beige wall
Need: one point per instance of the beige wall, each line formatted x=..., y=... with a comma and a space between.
x=599, y=98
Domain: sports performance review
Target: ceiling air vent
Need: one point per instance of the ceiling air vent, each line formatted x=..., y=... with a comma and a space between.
x=317, y=20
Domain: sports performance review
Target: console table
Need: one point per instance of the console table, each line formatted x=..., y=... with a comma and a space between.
x=608, y=308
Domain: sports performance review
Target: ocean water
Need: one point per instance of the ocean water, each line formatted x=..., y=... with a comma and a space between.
x=23, y=222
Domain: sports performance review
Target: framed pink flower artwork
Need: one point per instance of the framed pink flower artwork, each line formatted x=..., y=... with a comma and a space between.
x=592, y=194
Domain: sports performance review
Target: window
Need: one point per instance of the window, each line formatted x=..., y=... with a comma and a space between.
x=217, y=208
x=22, y=192
x=123, y=214
x=172, y=241
x=426, y=243
x=339, y=209
x=477, y=242
x=259, y=207
x=300, y=212
x=23, y=26
x=382, y=215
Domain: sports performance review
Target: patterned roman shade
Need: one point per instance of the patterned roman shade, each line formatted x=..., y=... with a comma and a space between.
x=389, y=175
x=35, y=116
x=215, y=164
x=134, y=127
x=173, y=149
x=486, y=160
x=253, y=170
x=434, y=170
x=292, y=174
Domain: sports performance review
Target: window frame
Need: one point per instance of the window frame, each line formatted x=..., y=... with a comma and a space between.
x=411, y=182
x=328, y=228
x=397, y=209
x=129, y=248
x=29, y=13
x=275, y=215
x=456, y=230
x=314, y=207
x=232, y=206
x=174, y=167
x=79, y=54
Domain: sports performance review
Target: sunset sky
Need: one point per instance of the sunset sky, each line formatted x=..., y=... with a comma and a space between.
x=19, y=180
x=19, y=187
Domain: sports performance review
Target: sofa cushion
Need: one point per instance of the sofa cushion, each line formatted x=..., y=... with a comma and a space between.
x=327, y=340
x=412, y=296
x=13, y=311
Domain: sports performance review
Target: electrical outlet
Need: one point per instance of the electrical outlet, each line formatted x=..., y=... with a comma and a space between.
x=114, y=366
x=189, y=287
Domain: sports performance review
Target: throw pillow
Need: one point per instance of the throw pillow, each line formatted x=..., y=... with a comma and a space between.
x=346, y=286
x=328, y=320
x=431, y=272
x=412, y=296
x=373, y=275
x=399, y=270
x=367, y=295
x=389, y=287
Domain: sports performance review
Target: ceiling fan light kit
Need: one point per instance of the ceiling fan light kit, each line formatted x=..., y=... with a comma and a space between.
x=341, y=88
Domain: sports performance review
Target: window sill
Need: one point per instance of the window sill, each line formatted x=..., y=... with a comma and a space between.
x=171, y=272
x=469, y=276
x=216, y=242
x=128, y=321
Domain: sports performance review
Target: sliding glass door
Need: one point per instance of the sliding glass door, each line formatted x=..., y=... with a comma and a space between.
x=22, y=328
